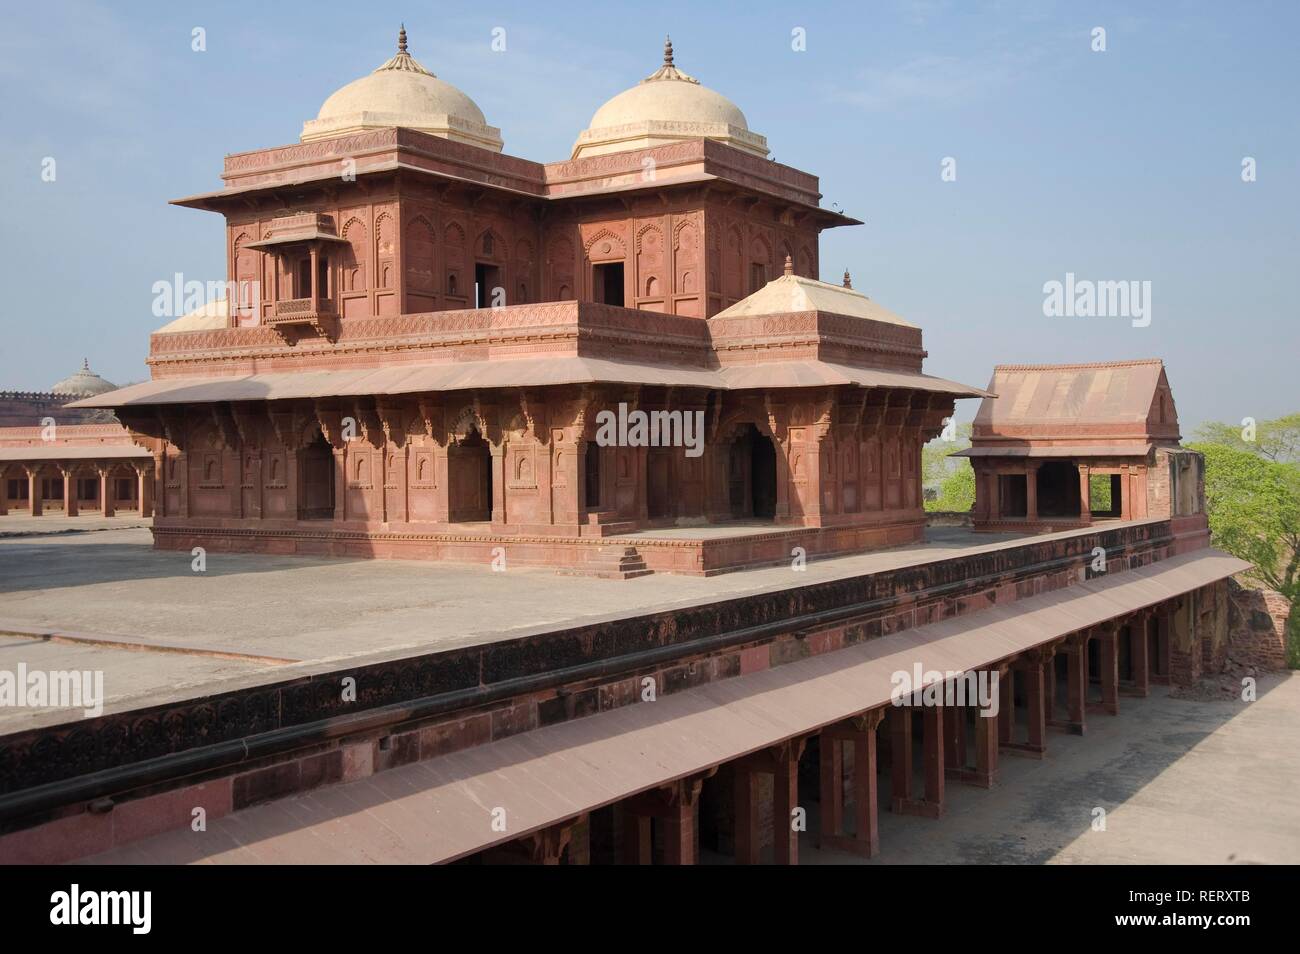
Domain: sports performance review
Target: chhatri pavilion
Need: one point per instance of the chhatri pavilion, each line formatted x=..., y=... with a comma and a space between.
x=424, y=330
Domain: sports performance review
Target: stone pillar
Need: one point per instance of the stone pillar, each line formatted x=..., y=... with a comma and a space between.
x=782, y=763
x=1007, y=707
x=954, y=748
x=34, y=490
x=860, y=732
x=1030, y=667
x=498, y=464
x=4, y=491
x=830, y=754
x=1160, y=662
x=1076, y=681
x=900, y=755
x=1049, y=686
x=986, y=744
x=1085, y=494
x=676, y=807
x=785, y=799
x=315, y=270
x=1108, y=660
x=814, y=483
x=931, y=805
x=995, y=505
x=1031, y=492
x=106, y=495
x=637, y=846
x=933, y=743
x=746, y=834
x=679, y=834
x=782, y=512
x=1035, y=699
x=1138, y=649
x=144, y=490
x=69, y=491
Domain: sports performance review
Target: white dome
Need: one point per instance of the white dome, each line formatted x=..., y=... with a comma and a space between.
x=85, y=383
x=403, y=93
x=666, y=106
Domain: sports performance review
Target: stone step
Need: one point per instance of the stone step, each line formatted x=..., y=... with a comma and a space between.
x=619, y=563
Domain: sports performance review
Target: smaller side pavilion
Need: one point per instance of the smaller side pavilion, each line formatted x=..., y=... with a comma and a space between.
x=1067, y=445
x=71, y=468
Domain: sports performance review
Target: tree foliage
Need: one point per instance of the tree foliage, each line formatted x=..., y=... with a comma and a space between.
x=1254, y=509
x=1252, y=497
x=1276, y=440
x=956, y=491
x=952, y=478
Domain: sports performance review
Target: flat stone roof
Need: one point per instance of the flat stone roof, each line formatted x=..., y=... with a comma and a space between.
x=161, y=632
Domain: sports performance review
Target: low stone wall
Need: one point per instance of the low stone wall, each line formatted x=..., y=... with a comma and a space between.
x=1257, y=626
x=949, y=518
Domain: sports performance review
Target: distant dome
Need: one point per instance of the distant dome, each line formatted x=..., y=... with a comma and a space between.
x=667, y=106
x=403, y=93
x=85, y=383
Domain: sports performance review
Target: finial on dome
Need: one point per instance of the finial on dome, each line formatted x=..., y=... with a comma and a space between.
x=402, y=60
x=848, y=282
x=789, y=265
x=668, y=71
x=85, y=364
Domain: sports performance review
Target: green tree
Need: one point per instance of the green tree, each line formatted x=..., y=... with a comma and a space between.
x=951, y=478
x=1277, y=439
x=1253, y=503
x=956, y=491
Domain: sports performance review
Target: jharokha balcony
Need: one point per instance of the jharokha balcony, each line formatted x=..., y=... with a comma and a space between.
x=300, y=311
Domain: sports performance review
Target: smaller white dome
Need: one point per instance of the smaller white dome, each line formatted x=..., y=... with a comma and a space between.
x=667, y=106
x=401, y=92
x=85, y=383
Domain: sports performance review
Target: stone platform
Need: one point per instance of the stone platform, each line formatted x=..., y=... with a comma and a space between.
x=702, y=550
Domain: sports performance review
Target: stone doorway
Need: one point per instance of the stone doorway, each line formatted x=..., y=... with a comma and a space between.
x=316, y=481
x=752, y=473
x=1057, y=488
x=469, y=491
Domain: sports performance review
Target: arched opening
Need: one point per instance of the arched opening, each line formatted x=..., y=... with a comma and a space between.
x=591, y=475
x=469, y=490
x=126, y=488
x=752, y=473
x=316, y=481
x=1057, y=487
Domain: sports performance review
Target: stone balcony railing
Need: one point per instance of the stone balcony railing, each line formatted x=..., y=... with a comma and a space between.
x=302, y=311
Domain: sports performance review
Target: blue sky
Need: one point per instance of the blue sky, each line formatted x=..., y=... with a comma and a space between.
x=1115, y=165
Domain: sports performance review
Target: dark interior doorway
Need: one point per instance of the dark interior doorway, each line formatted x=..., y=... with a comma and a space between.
x=607, y=283
x=470, y=479
x=1058, y=489
x=316, y=481
x=487, y=278
x=753, y=475
x=1013, y=496
x=591, y=474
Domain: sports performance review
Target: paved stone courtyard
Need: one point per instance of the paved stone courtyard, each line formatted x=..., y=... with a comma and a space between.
x=1181, y=781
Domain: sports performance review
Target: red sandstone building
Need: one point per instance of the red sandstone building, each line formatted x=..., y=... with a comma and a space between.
x=1067, y=445
x=443, y=326
x=58, y=459
x=378, y=401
